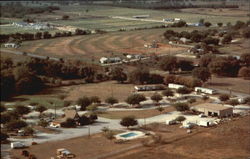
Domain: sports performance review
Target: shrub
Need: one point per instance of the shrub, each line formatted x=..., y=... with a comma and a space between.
x=181, y=106
x=43, y=123
x=111, y=100
x=84, y=120
x=83, y=102
x=192, y=100
x=233, y=102
x=109, y=134
x=135, y=99
x=69, y=123
x=92, y=108
x=156, y=97
x=93, y=117
x=183, y=90
x=95, y=99
x=15, y=124
x=168, y=93
x=28, y=131
x=128, y=121
x=205, y=98
x=224, y=97
x=4, y=136
x=180, y=118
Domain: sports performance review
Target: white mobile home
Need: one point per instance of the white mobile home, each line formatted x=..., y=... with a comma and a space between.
x=204, y=90
x=175, y=86
x=149, y=87
x=11, y=45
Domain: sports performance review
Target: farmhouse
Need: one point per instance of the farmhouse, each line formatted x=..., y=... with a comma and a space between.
x=149, y=87
x=104, y=60
x=175, y=86
x=72, y=114
x=204, y=90
x=217, y=110
x=11, y=45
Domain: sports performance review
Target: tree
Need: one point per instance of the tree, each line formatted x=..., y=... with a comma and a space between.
x=205, y=98
x=69, y=123
x=4, y=136
x=95, y=99
x=180, y=118
x=135, y=99
x=245, y=59
x=168, y=93
x=28, y=131
x=233, y=102
x=93, y=117
x=207, y=24
x=183, y=90
x=83, y=102
x=244, y=72
x=181, y=107
x=227, y=39
x=66, y=103
x=156, y=97
x=118, y=74
x=224, y=66
x=15, y=124
x=43, y=123
x=40, y=109
x=2, y=108
x=201, y=73
x=65, y=17
x=160, y=109
x=22, y=110
x=7, y=84
x=246, y=32
x=168, y=63
x=84, y=120
x=5, y=118
x=224, y=97
x=128, y=121
x=139, y=76
x=220, y=24
x=185, y=65
x=111, y=100
x=206, y=59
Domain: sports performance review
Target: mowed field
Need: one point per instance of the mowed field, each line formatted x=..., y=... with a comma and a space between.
x=92, y=47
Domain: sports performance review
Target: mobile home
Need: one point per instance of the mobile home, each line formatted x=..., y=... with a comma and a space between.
x=204, y=90
x=175, y=86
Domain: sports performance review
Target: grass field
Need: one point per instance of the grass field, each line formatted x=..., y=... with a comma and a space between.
x=98, y=17
x=92, y=47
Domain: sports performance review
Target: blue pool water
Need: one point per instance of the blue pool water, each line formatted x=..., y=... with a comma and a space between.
x=129, y=135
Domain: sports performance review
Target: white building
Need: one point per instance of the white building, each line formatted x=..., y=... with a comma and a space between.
x=204, y=90
x=104, y=60
x=175, y=86
x=11, y=45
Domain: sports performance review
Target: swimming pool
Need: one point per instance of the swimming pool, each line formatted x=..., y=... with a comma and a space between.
x=130, y=135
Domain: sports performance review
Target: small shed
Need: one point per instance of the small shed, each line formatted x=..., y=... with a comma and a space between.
x=175, y=86
x=204, y=90
x=211, y=109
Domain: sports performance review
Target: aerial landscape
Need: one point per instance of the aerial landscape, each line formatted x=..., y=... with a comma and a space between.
x=125, y=79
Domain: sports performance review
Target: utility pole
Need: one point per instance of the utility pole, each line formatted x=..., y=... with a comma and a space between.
x=89, y=131
x=55, y=109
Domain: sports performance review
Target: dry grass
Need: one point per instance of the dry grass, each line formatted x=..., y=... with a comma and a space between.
x=82, y=147
x=228, y=140
x=228, y=83
x=137, y=114
x=102, y=90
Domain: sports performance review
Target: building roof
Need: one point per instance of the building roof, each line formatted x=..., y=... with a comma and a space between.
x=212, y=106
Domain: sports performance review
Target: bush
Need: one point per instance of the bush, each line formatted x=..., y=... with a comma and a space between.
x=69, y=123
x=244, y=72
x=83, y=102
x=183, y=90
x=4, y=136
x=135, y=99
x=95, y=99
x=111, y=100
x=28, y=131
x=84, y=120
x=181, y=106
x=128, y=121
x=15, y=124
x=66, y=103
x=156, y=97
x=205, y=98
x=109, y=134
x=180, y=118
x=224, y=97
x=168, y=93
x=93, y=117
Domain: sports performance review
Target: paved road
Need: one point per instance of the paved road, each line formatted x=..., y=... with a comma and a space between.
x=29, y=54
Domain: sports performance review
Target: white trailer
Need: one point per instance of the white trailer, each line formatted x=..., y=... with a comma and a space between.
x=204, y=90
x=15, y=145
x=175, y=86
